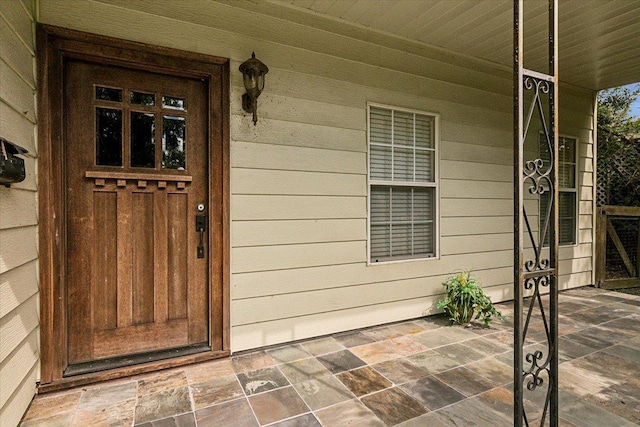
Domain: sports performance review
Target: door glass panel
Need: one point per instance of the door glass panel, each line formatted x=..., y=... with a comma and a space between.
x=108, y=137
x=143, y=144
x=108, y=94
x=142, y=98
x=173, y=142
x=173, y=102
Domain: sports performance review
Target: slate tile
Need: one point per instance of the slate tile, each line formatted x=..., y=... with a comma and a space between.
x=404, y=346
x=473, y=412
x=633, y=342
x=46, y=406
x=620, y=404
x=628, y=325
x=430, y=419
x=596, y=317
x=500, y=339
x=443, y=336
x=432, y=393
x=569, y=349
x=340, y=361
x=393, y=406
x=465, y=381
x=183, y=420
x=215, y=391
x=432, y=361
x=408, y=328
x=487, y=347
x=568, y=325
x=303, y=370
x=207, y=371
x=374, y=353
x=323, y=391
x=629, y=387
x=586, y=414
x=363, y=381
x=400, y=371
x=581, y=380
x=610, y=334
x=492, y=369
x=634, y=302
x=351, y=413
x=163, y=381
x=609, y=365
x=436, y=321
x=59, y=420
x=307, y=420
x=499, y=400
x=288, y=353
x=353, y=339
x=162, y=405
x=569, y=305
x=323, y=346
x=277, y=405
x=235, y=413
x=251, y=361
x=116, y=414
x=261, y=380
x=382, y=333
x=106, y=394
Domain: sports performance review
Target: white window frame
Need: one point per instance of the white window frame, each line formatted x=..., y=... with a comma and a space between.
x=570, y=190
x=435, y=185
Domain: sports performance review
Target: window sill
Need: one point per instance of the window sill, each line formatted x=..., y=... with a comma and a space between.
x=404, y=260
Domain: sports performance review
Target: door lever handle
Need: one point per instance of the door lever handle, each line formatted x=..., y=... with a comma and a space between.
x=201, y=227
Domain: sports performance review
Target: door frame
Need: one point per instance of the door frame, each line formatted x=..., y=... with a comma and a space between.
x=54, y=44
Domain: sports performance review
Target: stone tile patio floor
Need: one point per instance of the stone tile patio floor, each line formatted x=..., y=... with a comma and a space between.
x=414, y=373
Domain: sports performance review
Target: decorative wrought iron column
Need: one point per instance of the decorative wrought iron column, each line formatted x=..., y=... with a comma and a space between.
x=535, y=231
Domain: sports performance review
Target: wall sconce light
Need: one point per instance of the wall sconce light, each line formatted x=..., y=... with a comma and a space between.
x=253, y=71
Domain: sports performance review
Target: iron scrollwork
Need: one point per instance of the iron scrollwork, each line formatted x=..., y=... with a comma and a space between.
x=536, y=269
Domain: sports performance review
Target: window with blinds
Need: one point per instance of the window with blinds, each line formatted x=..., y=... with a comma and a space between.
x=402, y=181
x=567, y=190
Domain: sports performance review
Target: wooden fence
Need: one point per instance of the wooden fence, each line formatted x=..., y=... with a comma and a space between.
x=613, y=251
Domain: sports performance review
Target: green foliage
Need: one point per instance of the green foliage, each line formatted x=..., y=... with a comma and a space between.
x=466, y=301
x=619, y=146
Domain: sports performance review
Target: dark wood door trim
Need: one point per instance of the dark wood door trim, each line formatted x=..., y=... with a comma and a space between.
x=54, y=45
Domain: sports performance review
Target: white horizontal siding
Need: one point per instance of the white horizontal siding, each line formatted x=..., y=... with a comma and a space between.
x=16, y=286
x=298, y=179
x=261, y=207
x=19, y=360
x=325, y=277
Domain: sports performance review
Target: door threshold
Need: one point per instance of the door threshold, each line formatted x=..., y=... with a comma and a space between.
x=127, y=371
x=133, y=359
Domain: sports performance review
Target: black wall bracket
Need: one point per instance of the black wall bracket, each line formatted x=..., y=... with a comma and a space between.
x=11, y=167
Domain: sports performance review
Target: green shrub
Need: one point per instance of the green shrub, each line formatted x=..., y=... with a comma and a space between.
x=466, y=301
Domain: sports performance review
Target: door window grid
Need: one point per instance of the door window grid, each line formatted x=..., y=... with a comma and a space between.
x=140, y=106
x=402, y=187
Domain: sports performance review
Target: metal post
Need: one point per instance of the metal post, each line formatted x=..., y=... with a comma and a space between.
x=518, y=207
x=553, y=300
x=540, y=177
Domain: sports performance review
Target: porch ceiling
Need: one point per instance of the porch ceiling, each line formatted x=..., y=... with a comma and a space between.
x=599, y=39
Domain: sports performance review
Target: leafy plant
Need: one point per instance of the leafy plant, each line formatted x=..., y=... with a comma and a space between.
x=466, y=301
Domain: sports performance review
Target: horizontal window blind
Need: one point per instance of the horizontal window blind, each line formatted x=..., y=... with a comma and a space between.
x=566, y=217
x=402, y=178
x=567, y=191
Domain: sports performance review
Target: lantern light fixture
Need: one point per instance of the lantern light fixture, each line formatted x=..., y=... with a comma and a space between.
x=253, y=72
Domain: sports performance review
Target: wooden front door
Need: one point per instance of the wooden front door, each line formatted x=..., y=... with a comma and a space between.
x=137, y=203
x=133, y=196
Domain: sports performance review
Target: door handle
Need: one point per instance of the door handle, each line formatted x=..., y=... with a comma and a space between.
x=201, y=227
